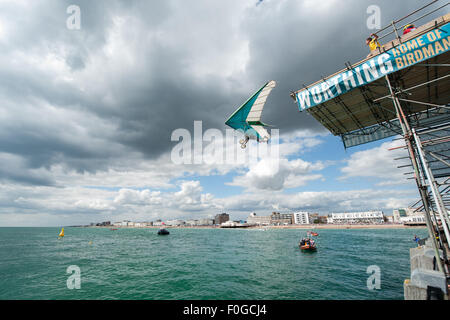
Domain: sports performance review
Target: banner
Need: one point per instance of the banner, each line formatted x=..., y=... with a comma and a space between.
x=405, y=55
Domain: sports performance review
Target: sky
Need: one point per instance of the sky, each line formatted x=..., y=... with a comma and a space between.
x=88, y=114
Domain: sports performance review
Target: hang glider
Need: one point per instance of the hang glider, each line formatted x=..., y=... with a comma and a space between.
x=247, y=119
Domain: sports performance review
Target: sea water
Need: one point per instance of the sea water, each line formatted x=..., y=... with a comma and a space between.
x=203, y=264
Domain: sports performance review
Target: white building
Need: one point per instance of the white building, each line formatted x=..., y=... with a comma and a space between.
x=403, y=215
x=206, y=222
x=418, y=218
x=141, y=224
x=368, y=217
x=192, y=222
x=176, y=222
x=253, y=219
x=301, y=218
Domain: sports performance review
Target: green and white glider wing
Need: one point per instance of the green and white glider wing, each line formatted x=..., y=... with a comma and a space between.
x=248, y=117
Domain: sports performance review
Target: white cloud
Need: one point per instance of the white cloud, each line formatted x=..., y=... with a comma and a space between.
x=379, y=163
x=136, y=197
x=93, y=204
x=325, y=202
x=278, y=175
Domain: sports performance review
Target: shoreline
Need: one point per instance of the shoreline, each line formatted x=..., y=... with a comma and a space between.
x=301, y=227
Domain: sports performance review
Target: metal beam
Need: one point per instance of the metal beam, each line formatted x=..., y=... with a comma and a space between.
x=412, y=88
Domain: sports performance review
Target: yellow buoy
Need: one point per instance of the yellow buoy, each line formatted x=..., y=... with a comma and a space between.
x=61, y=234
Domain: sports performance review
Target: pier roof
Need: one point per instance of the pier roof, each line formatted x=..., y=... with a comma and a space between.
x=356, y=103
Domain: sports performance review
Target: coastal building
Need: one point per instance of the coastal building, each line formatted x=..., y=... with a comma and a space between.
x=280, y=219
x=399, y=213
x=103, y=224
x=142, y=224
x=206, y=222
x=313, y=218
x=323, y=219
x=402, y=215
x=253, y=219
x=368, y=217
x=389, y=219
x=408, y=216
x=301, y=218
x=175, y=223
x=221, y=218
x=316, y=218
x=158, y=223
x=192, y=222
x=418, y=219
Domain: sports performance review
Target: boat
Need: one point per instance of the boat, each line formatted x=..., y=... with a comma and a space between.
x=61, y=234
x=307, y=244
x=113, y=229
x=233, y=224
x=163, y=232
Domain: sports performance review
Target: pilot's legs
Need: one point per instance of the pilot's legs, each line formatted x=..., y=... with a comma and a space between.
x=243, y=142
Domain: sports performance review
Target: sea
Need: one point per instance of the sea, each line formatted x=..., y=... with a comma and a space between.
x=203, y=264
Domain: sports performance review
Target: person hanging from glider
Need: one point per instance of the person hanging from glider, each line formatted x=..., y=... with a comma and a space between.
x=247, y=118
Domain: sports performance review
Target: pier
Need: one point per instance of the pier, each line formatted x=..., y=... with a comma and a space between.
x=402, y=88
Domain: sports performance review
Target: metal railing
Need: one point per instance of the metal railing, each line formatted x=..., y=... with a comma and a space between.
x=396, y=28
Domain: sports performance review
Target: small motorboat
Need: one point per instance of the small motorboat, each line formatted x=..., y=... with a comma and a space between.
x=163, y=232
x=307, y=244
x=315, y=234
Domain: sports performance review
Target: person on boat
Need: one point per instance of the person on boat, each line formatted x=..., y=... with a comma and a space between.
x=416, y=238
x=408, y=28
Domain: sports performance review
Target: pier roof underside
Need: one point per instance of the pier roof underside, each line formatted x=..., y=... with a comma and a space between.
x=436, y=145
x=367, y=113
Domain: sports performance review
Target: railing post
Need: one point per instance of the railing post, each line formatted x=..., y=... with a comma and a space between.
x=396, y=33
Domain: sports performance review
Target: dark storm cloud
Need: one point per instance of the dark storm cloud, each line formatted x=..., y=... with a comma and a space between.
x=117, y=107
x=297, y=48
